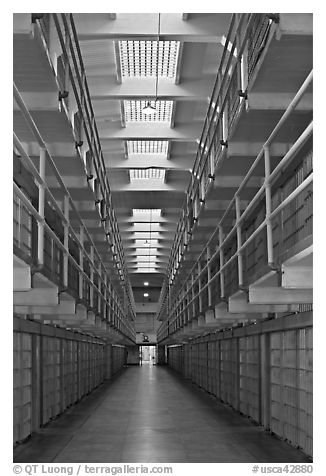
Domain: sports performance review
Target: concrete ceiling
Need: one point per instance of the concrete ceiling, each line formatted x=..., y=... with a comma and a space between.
x=124, y=69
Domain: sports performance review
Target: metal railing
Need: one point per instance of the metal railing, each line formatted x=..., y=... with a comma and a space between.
x=80, y=272
x=246, y=38
x=276, y=218
x=71, y=75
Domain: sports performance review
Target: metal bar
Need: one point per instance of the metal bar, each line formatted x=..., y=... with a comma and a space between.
x=118, y=62
x=19, y=220
x=209, y=274
x=199, y=268
x=290, y=107
x=178, y=65
x=239, y=239
x=81, y=262
x=66, y=240
x=92, y=275
x=295, y=147
x=268, y=201
x=292, y=195
x=27, y=203
x=40, y=225
x=221, y=253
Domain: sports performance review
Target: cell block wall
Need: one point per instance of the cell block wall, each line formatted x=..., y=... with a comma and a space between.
x=53, y=372
x=22, y=378
x=249, y=375
x=229, y=365
x=291, y=386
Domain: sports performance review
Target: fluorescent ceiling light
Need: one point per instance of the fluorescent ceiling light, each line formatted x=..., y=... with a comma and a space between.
x=149, y=109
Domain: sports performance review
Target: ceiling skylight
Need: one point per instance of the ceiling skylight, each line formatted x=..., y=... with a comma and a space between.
x=147, y=147
x=145, y=244
x=147, y=174
x=146, y=270
x=154, y=212
x=146, y=252
x=141, y=58
x=146, y=235
x=134, y=111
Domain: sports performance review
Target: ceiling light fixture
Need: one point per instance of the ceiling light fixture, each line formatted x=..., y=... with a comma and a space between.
x=145, y=294
x=145, y=283
x=149, y=110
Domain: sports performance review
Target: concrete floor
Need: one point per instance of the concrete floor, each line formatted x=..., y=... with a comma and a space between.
x=147, y=414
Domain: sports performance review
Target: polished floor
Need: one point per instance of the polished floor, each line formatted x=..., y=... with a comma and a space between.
x=148, y=414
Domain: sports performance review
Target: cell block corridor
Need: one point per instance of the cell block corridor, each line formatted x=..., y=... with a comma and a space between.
x=162, y=237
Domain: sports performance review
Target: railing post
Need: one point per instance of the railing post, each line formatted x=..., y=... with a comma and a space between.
x=238, y=46
x=199, y=288
x=105, y=308
x=41, y=203
x=268, y=198
x=180, y=314
x=222, y=281
x=108, y=301
x=67, y=66
x=202, y=188
x=99, y=287
x=66, y=240
x=193, y=294
x=168, y=300
x=91, y=276
x=209, y=275
x=186, y=310
x=244, y=65
x=19, y=221
x=225, y=127
x=81, y=262
x=239, y=240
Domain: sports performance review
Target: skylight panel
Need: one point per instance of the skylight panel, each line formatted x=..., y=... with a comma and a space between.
x=145, y=244
x=146, y=270
x=146, y=234
x=154, y=212
x=147, y=147
x=142, y=252
x=147, y=174
x=146, y=262
x=134, y=111
x=142, y=59
x=146, y=226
